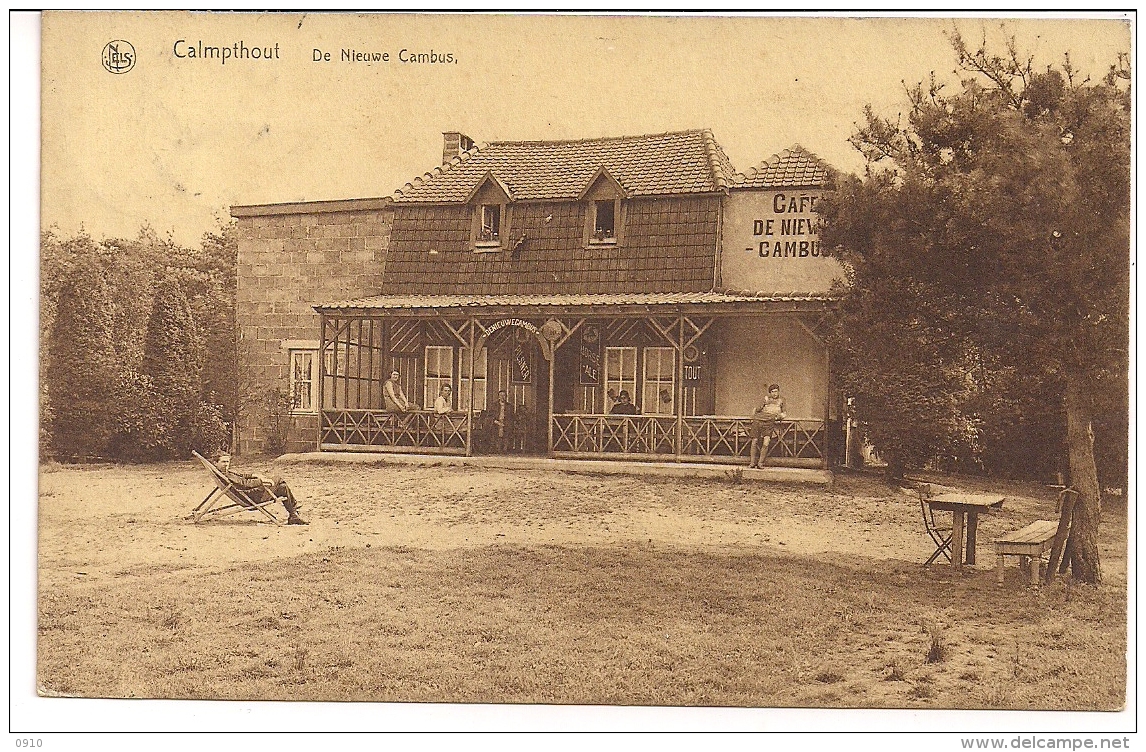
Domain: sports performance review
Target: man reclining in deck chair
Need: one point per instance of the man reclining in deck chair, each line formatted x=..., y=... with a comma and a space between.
x=260, y=489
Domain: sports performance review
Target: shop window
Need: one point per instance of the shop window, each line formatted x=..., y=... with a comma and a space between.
x=439, y=372
x=659, y=392
x=620, y=374
x=479, y=379
x=302, y=380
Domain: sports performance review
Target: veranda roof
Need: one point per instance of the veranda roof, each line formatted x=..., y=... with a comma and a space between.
x=742, y=299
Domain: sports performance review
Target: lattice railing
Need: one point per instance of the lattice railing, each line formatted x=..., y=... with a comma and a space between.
x=709, y=436
x=378, y=428
x=614, y=434
x=727, y=436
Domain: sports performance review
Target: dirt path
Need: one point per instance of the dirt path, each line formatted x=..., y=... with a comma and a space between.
x=107, y=521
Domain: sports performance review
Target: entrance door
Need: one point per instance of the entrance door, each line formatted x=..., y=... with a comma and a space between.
x=518, y=369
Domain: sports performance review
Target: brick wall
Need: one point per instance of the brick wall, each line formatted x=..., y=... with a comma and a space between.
x=289, y=261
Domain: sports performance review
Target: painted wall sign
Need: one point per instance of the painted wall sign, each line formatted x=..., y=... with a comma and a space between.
x=511, y=322
x=590, y=355
x=772, y=243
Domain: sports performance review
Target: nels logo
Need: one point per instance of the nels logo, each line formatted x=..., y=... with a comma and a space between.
x=118, y=56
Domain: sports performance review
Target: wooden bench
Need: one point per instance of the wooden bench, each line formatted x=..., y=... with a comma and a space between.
x=1030, y=544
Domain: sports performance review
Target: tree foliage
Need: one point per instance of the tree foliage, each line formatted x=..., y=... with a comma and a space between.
x=988, y=254
x=82, y=365
x=159, y=367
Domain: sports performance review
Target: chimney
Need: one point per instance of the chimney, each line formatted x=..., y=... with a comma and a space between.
x=453, y=144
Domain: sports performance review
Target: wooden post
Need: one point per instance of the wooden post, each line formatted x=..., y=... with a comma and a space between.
x=828, y=414
x=1069, y=496
x=470, y=414
x=321, y=377
x=972, y=526
x=680, y=388
x=549, y=422
x=957, y=539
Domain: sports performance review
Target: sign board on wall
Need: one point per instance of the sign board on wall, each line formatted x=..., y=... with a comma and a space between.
x=590, y=355
x=772, y=242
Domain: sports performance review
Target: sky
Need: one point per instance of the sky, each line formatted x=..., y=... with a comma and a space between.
x=175, y=141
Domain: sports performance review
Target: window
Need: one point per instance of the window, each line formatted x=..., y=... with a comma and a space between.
x=439, y=372
x=491, y=224
x=620, y=374
x=604, y=221
x=660, y=381
x=302, y=380
x=479, y=379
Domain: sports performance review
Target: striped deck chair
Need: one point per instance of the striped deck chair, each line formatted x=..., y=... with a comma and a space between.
x=226, y=498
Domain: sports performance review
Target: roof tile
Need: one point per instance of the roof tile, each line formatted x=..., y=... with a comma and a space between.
x=666, y=163
x=390, y=302
x=792, y=167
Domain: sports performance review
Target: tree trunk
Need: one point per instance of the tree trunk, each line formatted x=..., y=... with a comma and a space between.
x=1084, y=478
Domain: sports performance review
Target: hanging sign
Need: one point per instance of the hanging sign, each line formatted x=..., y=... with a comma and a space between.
x=522, y=373
x=590, y=355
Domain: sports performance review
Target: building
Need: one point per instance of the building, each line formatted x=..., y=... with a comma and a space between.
x=559, y=273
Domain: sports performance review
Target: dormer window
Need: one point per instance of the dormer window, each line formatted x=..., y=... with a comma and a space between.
x=604, y=221
x=490, y=223
x=489, y=202
x=604, y=202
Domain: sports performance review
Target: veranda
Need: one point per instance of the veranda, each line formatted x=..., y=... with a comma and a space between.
x=560, y=363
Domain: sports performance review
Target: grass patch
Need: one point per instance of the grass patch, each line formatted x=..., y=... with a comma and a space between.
x=675, y=603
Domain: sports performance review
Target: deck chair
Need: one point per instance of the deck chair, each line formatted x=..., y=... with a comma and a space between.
x=226, y=498
x=940, y=534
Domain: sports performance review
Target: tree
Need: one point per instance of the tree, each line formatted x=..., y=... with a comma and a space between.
x=82, y=365
x=173, y=363
x=994, y=225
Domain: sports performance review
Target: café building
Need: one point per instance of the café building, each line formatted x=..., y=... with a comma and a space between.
x=539, y=280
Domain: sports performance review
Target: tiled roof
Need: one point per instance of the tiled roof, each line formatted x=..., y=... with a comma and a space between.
x=792, y=167
x=391, y=302
x=655, y=165
x=669, y=246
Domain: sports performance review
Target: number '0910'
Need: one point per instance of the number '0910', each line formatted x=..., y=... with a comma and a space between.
x=29, y=743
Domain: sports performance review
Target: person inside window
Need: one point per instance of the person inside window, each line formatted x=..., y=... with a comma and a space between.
x=765, y=425
x=624, y=405
x=444, y=402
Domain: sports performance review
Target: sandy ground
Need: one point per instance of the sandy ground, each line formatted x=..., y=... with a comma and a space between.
x=123, y=519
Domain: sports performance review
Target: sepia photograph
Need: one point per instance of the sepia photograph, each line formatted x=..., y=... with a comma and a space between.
x=772, y=365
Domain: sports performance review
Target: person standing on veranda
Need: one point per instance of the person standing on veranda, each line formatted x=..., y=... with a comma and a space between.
x=765, y=425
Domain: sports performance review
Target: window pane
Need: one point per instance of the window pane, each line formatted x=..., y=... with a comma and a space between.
x=302, y=380
x=439, y=372
x=479, y=380
x=620, y=373
x=604, y=224
x=658, y=394
x=490, y=221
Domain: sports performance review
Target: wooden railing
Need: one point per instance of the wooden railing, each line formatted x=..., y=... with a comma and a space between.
x=719, y=436
x=714, y=438
x=614, y=434
x=379, y=430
